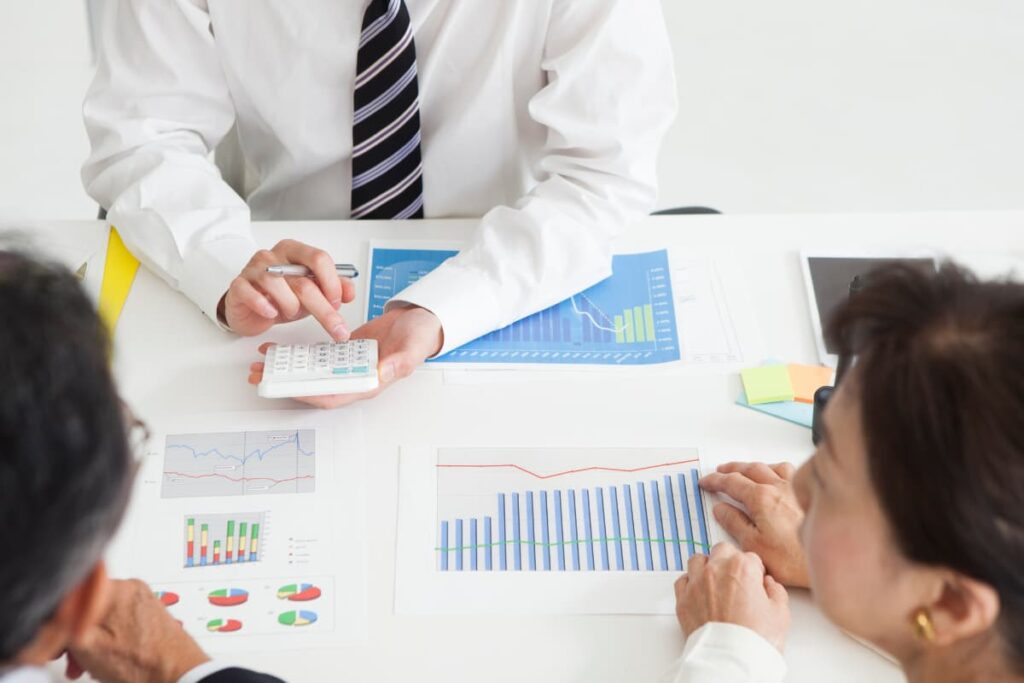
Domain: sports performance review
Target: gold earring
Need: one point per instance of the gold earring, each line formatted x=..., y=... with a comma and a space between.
x=923, y=625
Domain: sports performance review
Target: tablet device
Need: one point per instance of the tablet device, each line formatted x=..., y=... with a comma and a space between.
x=827, y=277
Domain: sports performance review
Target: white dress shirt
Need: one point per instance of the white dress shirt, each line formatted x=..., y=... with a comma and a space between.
x=542, y=117
x=727, y=653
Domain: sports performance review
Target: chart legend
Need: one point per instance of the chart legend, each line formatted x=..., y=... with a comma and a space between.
x=219, y=539
x=239, y=463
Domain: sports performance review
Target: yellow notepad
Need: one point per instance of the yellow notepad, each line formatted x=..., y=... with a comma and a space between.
x=767, y=384
x=118, y=274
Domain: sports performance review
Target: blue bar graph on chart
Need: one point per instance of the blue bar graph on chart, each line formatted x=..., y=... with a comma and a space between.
x=627, y=319
x=641, y=525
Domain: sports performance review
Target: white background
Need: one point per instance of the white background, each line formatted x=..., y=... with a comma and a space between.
x=788, y=105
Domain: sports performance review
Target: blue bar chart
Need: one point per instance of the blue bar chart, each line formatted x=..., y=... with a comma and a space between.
x=627, y=319
x=644, y=518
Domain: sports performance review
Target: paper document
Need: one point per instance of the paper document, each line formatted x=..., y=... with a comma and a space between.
x=656, y=309
x=547, y=530
x=249, y=527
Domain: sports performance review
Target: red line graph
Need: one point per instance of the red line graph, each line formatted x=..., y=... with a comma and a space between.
x=237, y=479
x=575, y=471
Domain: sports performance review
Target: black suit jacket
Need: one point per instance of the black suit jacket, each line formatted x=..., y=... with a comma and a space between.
x=234, y=675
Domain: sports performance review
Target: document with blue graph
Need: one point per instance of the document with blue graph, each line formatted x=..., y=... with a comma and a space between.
x=627, y=319
x=551, y=530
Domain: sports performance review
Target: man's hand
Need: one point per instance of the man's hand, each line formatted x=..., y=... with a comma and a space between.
x=405, y=336
x=732, y=587
x=138, y=640
x=258, y=300
x=770, y=526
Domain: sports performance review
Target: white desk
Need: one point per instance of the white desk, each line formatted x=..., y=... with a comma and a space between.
x=170, y=359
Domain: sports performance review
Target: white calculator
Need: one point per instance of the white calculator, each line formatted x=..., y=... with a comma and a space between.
x=319, y=369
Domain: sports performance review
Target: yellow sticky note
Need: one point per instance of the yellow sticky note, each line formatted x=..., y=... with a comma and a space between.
x=118, y=274
x=806, y=379
x=767, y=384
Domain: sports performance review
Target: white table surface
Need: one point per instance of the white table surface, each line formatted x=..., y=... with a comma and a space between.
x=170, y=359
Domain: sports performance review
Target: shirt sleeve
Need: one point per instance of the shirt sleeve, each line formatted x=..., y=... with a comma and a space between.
x=157, y=107
x=609, y=99
x=727, y=653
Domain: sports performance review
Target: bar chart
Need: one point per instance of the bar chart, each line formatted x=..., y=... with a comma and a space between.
x=239, y=463
x=627, y=319
x=220, y=539
x=568, y=511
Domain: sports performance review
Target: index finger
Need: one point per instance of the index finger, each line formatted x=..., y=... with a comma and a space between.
x=318, y=261
x=735, y=485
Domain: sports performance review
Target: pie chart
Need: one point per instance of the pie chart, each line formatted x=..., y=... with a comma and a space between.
x=223, y=625
x=297, y=618
x=228, y=597
x=167, y=598
x=298, y=592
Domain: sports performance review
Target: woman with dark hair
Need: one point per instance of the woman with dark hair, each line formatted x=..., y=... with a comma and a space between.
x=907, y=523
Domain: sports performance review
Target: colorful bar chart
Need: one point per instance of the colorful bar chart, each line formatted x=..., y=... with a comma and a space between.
x=627, y=319
x=642, y=518
x=223, y=539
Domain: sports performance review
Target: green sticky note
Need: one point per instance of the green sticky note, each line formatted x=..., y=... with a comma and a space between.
x=767, y=384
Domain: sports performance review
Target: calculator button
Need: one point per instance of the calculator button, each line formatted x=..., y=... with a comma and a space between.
x=341, y=371
x=360, y=370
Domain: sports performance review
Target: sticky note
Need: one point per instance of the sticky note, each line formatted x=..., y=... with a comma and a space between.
x=118, y=274
x=791, y=411
x=767, y=384
x=806, y=379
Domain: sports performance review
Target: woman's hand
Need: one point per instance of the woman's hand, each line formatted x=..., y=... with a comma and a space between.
x=732, y=587
x=770, y=526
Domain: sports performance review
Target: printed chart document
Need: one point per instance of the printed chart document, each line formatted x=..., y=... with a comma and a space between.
x=657, y=308
x=249, y=527
x=546, y=530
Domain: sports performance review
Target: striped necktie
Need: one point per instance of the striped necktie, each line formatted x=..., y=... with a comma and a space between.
x=387, y=172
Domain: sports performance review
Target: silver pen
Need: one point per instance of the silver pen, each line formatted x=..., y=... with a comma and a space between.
x=290, y=270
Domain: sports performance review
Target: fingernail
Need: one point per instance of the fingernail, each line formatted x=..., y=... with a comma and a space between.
x=387, y=373
x=269, y=311
x=340, y=332
x=336, y=304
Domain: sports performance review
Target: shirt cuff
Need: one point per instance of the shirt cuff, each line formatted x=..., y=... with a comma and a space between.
x=728, y=653
x=462, y=300
x=208, y=270
x=203, y=671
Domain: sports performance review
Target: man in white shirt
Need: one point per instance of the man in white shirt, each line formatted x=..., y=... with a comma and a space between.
x=542, y=117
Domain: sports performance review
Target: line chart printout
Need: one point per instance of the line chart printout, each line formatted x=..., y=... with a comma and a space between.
x=627, y=319
x=239, y=463
x=241, y=566
x=547, y=530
